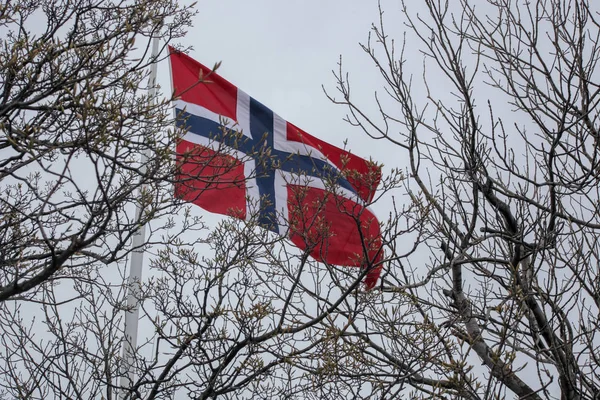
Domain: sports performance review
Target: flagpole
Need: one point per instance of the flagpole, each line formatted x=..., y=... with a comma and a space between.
x=137, y=259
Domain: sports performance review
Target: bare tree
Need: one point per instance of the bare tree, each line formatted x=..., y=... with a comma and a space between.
x=500, y=136
x=491, y=285
x=75, y=120
x=225, y=313
x=75, y=117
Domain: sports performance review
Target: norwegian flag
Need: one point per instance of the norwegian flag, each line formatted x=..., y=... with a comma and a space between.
x=240, y=159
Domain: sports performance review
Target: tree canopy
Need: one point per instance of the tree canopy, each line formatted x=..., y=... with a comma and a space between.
x=490, y=285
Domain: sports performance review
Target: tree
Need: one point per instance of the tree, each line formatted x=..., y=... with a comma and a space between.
x=74, y=125
x=499, y=297
x=490, y=286
x=75, y=116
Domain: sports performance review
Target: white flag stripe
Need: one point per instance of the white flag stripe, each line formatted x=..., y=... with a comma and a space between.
x=243, y=120
x=252, y=193
x=243, y=113
x=281, y=204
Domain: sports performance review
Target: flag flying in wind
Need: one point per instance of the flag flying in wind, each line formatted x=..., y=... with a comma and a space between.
x=240, y=159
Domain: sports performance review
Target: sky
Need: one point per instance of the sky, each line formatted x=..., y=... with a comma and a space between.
x=282, y=53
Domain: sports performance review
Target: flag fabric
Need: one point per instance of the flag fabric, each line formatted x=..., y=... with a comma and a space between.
x=240, y=159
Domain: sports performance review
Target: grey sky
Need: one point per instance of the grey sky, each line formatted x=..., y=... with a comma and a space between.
x=282, y=52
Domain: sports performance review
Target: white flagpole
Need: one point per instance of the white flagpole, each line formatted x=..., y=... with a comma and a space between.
x=137, y=260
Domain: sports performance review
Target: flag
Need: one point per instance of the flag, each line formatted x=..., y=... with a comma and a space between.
x=239, y=158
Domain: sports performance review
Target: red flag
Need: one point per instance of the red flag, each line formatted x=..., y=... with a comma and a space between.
x=243, y=160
